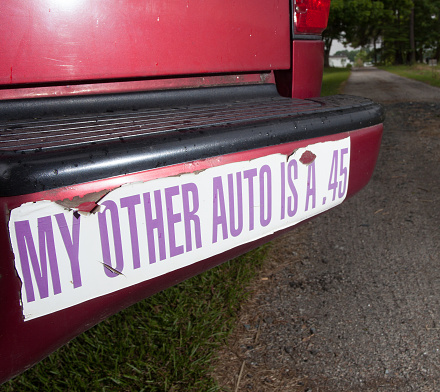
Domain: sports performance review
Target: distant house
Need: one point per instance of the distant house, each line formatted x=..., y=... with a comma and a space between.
x=338, y=61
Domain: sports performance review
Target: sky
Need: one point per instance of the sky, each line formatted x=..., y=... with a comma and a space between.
x=336, y=46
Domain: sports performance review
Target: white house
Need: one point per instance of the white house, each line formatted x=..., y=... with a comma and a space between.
x=338, y=61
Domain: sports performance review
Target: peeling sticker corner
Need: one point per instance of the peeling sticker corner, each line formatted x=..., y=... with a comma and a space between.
x=196, y=172
x=307, y=157
x=88, y=208
x=291, y=155
x=85, y=203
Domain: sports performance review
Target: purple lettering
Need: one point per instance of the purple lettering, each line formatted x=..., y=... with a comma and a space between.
x=219, y=210
x=26, y=244
x=333, y=181
x=265, y=195
x=172, y=219
x=154, y=224
x=189, y=215
x=71, y=243
x=343, y=172
x=117, y=242
x=235, y=231
x=292, y=210
x=311, y=185
x=130, y=202
x=249, y=175
x=283, y=190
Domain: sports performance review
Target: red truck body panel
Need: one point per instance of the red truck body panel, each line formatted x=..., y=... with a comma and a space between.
x=62, y=41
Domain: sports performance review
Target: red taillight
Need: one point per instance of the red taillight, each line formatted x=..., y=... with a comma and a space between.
x=311, y=16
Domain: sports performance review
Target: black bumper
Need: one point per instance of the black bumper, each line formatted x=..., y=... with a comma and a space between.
x=51, y=143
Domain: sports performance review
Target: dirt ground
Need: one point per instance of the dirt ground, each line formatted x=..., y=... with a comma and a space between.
x=351, y=300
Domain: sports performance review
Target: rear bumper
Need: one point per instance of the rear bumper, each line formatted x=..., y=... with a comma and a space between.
x=165, y=165
x=157, y=130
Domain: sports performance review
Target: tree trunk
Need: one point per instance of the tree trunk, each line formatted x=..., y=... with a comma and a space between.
x=419, y=56
x=327, y=47
x=374, y=51
x=412, y=41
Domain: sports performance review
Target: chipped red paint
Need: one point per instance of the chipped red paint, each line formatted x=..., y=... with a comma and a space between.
x=307, y=158
x=84, y=203
x=88, y=206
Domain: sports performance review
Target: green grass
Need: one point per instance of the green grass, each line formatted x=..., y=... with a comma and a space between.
x=421, y=72
x=164, y=343
x=333, y=79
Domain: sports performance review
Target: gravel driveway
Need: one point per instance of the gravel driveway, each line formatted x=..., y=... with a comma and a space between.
x=351, y=300
x=384, y=87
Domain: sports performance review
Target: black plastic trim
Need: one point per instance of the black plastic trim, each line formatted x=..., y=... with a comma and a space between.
x=306, y=37
x=25, y=172
x=23, y=109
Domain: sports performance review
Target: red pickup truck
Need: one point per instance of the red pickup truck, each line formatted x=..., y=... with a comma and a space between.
x=143, y=142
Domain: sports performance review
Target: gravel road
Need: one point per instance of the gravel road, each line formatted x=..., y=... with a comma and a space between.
x=384, y=87
x=351, y=300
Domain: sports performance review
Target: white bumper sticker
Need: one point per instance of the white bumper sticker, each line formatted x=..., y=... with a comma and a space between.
x=144, y=230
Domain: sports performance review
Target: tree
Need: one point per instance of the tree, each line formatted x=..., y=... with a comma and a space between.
x=368, y=21
x=427, y=28
x=358, y=22
x=406, y=28
x=335, y=27
x=396, y=33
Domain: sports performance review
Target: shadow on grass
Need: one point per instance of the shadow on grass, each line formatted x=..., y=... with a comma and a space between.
x=164, y=343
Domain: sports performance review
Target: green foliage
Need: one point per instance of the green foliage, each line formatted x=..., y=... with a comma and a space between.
x=355, y=21
x=165, y=343
x=333, y=80
x=363, y=56
x=367, y=22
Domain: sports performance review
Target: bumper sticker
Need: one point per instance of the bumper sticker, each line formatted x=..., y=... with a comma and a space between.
x=146, y=229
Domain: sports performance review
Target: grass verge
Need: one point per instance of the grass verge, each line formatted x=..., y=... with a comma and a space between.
x=333, y=80
x=421, y=72
x=164, y=343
